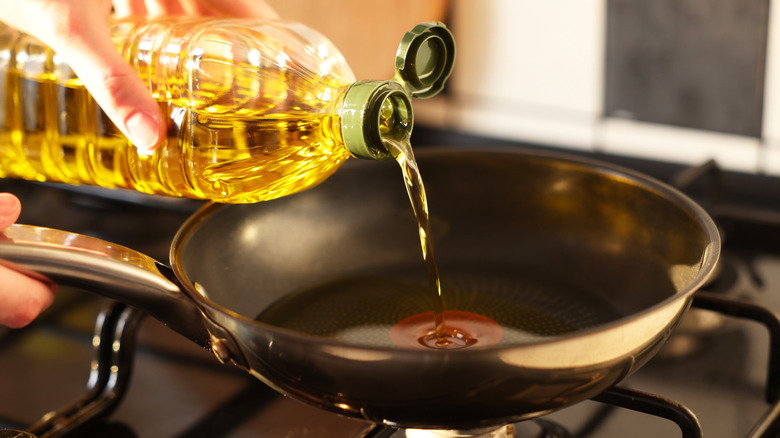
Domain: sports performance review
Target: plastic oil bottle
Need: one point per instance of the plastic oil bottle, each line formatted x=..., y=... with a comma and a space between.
x=255, y=109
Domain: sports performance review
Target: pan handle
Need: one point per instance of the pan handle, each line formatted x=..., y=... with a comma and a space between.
x=94, y=265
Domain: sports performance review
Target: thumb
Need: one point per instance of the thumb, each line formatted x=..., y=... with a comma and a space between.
x=115, y=86
x=10, y=208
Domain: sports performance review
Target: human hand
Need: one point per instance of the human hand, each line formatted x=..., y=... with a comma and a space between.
x=78, y=30
x=22, y=297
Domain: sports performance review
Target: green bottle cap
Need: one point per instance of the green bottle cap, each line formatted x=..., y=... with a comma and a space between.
x=377, y=112
x=425, y=59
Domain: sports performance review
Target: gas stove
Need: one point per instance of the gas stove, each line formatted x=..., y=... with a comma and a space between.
x=101, y=369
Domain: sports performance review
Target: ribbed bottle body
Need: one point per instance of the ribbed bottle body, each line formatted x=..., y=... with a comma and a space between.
x=251, y=108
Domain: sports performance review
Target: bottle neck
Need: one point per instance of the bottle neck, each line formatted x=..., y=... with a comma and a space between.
x=372, y=113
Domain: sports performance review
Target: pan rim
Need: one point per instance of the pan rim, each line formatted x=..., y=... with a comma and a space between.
x=683, y=297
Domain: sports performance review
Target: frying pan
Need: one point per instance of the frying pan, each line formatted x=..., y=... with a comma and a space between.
x=586, y=266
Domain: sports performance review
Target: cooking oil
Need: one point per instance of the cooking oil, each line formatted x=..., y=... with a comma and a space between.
x=500, y=306
x=255, y=110
x=54, y=131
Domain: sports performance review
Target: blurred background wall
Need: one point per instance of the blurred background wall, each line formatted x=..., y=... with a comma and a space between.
x=673, y=80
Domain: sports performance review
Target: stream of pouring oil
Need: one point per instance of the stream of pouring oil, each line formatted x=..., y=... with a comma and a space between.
x=450, y=330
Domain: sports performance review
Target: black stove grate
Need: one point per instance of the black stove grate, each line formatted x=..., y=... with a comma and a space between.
x=114, y=345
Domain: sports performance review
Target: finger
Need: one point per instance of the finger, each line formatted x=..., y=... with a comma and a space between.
x=22, y=298
x=235, y=8
x=126, y=8
x=158, y=8
x=10, y=208
x=115, y=86
x=258, y=9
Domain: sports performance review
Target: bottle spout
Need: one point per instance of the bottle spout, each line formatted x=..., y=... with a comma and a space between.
x=373, y=112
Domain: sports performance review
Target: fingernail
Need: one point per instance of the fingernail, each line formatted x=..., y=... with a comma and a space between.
x=8, y=204
x=10, y=208
x=143, y=131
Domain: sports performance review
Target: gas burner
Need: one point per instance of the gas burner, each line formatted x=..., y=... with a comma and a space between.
x=501, y=432
x=536, y=428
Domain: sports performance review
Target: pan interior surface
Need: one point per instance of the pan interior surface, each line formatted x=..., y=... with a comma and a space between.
x=569, y=274
x=542, y=246
x=366, y=309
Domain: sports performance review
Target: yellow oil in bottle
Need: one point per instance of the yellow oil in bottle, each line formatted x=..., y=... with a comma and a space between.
x=56, y=132
x=257, y=132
